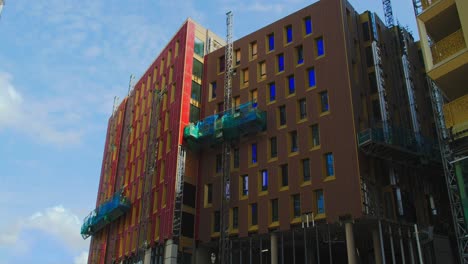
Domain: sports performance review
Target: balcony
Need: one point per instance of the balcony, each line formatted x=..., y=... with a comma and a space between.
x=232, y=124
x=107, y=212
x=456, y=117
x=448, y=46
x=401, y=146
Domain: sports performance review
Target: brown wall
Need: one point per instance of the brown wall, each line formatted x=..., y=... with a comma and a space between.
x=342, y=195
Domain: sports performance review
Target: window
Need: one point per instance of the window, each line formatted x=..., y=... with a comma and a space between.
x=299, y=55
x=365, y=31
x=245, y=77
x=236, y=158
x=271, y=42
x=376, y=110
x=208, y=194
x=282, y=115
x=213, y=86
x=296, y=202
x=291, y=85
x=307, y=25
x=262, y=70
x=315, y=135
x=235, y=217
x=253, y=50
x=329, y=167
x=254, y=153
x=280, y=60
x=372, y=82
x=284, y=175
x=199, y=47
x=312, y=81
x=272, y=91
x=273, y=148
x=197, y=68
x=221, y=63
x=305, y=164
x=221, y=107
x=320, y=202
x=320, y=46
x=289, y=34
x=244, y=185
x=216, y=221
x=219, y=163
x=253, y=214
x=253, y=97
x=196, y=91
x=302, y=109
x=369, y=56
x=293, y=141
x=274, y=210
x=238, y=56
x=194, y=114
x=324, y=102
x=263, y=180
x=236, y=102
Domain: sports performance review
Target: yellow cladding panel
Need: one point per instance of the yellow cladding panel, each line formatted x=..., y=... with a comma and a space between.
x=456, y=114
x=448, y=46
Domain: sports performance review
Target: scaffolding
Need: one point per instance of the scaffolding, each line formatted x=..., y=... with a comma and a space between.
x=453, y=182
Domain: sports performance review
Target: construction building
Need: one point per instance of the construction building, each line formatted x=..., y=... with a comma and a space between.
x=443, y=30
x=145, y=205
x=334, y=154
x=333, y=151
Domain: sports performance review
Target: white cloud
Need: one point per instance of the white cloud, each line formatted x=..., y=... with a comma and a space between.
x=82, y=258
x=57, y=222
x=39, y=120
x=92, y=52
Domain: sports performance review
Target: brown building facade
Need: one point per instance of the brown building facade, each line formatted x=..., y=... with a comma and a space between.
x=349, y=139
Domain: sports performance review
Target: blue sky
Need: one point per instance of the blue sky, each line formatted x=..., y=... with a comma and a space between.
x=61, y=64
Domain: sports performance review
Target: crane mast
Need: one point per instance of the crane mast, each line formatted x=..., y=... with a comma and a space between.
x=224, y=244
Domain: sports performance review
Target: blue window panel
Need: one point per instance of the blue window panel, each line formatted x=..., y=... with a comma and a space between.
x=254, y=153
x=329, y=161
x=312, y=82
x=271, y=42
x=272, y=92
x=213, y=90
x=308, y=26
x=324, y=101
x=280, y=62
x=289, y=34
x=254, y=214
x=292, y=87
x=264, y=180
x=320, y=202
x=320, y=47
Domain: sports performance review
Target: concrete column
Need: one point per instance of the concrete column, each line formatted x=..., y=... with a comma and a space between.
x=147, y=259
x=350, y=247
x=376, y=243
x=170, y=252
x=274, y=248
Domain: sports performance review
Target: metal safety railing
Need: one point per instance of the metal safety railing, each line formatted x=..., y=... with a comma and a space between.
x=107, y=212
